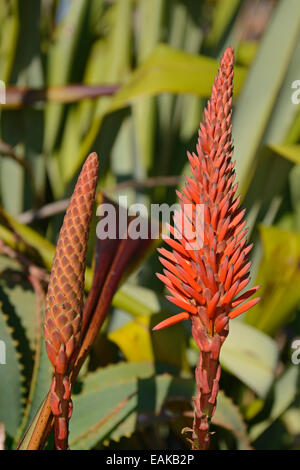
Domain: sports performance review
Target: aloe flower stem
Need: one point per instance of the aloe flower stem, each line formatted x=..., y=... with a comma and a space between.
x=206, y=273
x=207, y=375
x=64, y=300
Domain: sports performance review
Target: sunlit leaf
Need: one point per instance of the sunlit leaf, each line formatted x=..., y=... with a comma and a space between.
x=285, y=392
x=279, y=277
x=123, y=398
x=10, y=378
x=263, y=82
x=251, y=356
x=138, y=343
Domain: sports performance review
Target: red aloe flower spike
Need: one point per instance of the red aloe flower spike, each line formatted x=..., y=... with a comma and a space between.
x=218, y=270
x=64, y=298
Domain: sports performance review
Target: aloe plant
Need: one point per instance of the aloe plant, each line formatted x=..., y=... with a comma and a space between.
x=130, y=80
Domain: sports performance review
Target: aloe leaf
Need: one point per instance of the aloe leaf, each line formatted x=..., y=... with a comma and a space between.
x=40, y=384
x=191, y=107
x=284, y=111
x=9, y=34
x=10, y=378
x=290, y=152
x=295, y=194
x=60, y=61
x=95, y=72
x=114, y=401
x=17, y=127
x=149, y=34
x=294, y=131
x=223, y=15
x=286, y=390
x=263, y=83
x=263, y=198
x=251, y=356
x=33, y=239
x=279, y=278
x=228, y=416
x=178, y=115
x=10, y=170
x=246, y=52
x=20, y=296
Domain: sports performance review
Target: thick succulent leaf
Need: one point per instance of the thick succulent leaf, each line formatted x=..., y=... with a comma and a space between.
x=285, y=111
x=223, y=14
x=26, y=438
x=20, y=298
x=274, y=163
x=61, y=59
x=263, y=82
x=9, y=33
x=291, y=420
x=295, y=194
x=18, y=303
x=246, y=52
x=40, y=384
x=16, y=233
x=286, y=389
x=10, y=378
x=251, y=356
x=23, y=130
x=290, y=152
x=120, y=399
x=279, y=277
x=108, y=397
x=228, y=416
x=151, y=18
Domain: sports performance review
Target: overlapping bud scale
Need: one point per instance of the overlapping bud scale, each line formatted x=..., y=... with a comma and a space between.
x=64, y=300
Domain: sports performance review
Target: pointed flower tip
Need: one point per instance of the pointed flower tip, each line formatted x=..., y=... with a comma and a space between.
x=92, y=156
x=228, y=55
x=156, y=328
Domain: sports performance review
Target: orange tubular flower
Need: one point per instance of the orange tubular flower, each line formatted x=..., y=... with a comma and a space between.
x=64, y=300
x=207, y=280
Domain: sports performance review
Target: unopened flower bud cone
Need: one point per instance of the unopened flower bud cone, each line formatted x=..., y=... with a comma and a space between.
x=64, y=301
x=207, y=280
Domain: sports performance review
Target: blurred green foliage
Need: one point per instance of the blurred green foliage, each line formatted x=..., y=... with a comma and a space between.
x=161, y=56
